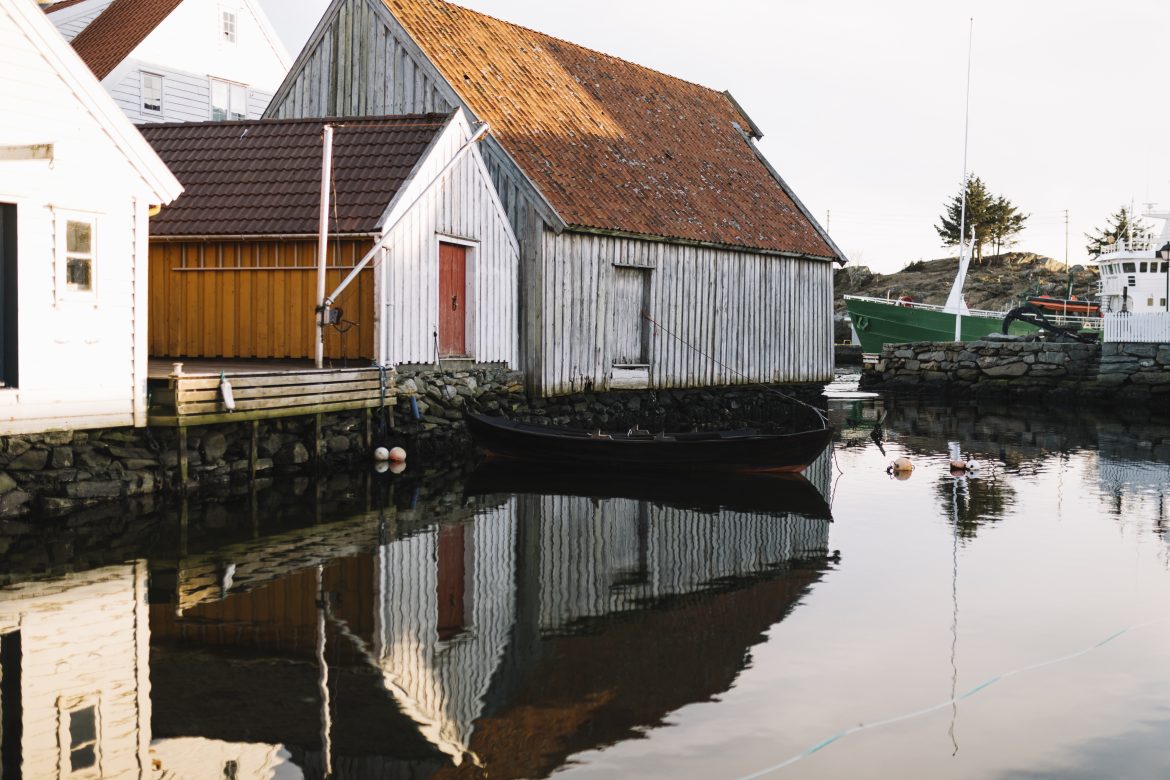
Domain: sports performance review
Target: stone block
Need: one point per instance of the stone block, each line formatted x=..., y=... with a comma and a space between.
x=292, y=454
x=911, y=365
x=62, y=458
x=1112, y=380
x=967, y=374
x=31, y=460
x=1140, y=350
x=213, y=446
x=94, y=489
x=93, y=460
x=14, y=503
x=1150, y=378
x=338, y=444
x=1006, y=370
x=7, y=483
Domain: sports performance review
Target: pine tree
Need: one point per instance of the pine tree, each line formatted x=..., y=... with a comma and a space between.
x=993, y=219
x=1122, y=225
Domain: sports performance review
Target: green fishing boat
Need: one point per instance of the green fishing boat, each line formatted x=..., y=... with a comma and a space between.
x=879, y=321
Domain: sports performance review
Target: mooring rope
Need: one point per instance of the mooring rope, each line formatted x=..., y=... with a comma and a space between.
x=822, y=414
x=954, y=700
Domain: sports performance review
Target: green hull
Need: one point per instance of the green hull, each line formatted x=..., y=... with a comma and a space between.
x=877, y=323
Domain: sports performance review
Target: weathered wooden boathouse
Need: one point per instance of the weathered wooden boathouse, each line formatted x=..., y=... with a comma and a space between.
x=659, y=249
x=233, y=262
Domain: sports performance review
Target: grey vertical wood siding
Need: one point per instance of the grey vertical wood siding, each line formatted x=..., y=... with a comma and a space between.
x=720, y=317
x=359, y=68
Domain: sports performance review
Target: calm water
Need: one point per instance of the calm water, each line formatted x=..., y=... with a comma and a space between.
x=1009, y=624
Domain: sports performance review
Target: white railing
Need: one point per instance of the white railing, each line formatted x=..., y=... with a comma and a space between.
x=1147, y=327
x=1133, y=245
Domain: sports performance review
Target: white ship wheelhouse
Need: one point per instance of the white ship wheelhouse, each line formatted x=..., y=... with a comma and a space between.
x=1135, y=272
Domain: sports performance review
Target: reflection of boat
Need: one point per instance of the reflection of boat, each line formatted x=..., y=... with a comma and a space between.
x=737, y=492
x=740, y=451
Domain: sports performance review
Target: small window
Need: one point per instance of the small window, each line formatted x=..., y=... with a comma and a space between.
x=79, y=255
x=1164, y=266
x=1143, y=268
x=83, y=739
x=1129, y=268
x=1150, y=302
x=228, y=26
x=228, y=101
x=152, y=93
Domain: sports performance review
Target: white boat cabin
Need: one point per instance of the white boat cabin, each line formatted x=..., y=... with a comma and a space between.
x=1135, y=273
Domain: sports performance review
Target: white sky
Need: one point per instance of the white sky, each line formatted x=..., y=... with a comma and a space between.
x=861, y=102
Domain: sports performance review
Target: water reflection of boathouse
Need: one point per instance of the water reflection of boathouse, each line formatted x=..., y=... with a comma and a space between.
x=499, y=631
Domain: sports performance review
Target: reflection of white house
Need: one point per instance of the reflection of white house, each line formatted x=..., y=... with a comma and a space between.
x=196, y=758
x=76, y=184
x=74, y=679
x=177, y=60
x=450, y=607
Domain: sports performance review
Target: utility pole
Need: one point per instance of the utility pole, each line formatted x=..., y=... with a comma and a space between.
x=1066, y=240
x=828, y=220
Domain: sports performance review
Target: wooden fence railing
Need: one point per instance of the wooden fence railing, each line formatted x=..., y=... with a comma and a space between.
x=1146, y=327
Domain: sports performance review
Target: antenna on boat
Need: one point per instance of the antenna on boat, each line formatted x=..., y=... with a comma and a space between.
x=960, y=278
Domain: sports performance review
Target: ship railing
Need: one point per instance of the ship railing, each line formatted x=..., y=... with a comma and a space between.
x=1085, y=323
x=1145, y=244
x=1152, y=327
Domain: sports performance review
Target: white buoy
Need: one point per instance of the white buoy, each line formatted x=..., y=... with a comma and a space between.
x=381, y=467
x=382, y=454
x=225, y=390
x=398, y=455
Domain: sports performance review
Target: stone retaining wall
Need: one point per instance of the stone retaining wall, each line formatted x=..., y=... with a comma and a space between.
x=59, y=473
x=1040, y=371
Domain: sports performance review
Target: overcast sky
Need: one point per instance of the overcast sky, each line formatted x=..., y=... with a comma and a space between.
x=861, y=102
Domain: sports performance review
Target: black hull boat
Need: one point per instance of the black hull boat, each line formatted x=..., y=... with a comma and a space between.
x=737, y=492
x=725, y=451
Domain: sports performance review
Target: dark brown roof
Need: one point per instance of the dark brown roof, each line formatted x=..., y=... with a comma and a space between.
x=111, y=37
x=263, y=177
x=61, y=5
x=612, y=145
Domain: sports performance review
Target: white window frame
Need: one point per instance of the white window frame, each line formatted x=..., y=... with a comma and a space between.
x=161, y=105
x=233, y=88
x=229, y=25
x=61, y=219
x=65, y=707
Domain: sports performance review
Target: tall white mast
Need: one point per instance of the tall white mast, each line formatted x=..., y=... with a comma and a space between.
x=955, y=300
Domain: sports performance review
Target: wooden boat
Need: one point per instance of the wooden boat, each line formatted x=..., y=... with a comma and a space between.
x=738, y=492
x=736, y=451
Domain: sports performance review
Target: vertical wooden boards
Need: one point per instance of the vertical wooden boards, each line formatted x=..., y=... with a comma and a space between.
x=628, y=342
x=725, y=317
x=452, y=300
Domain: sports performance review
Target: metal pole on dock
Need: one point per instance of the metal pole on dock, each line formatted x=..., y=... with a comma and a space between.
x=323, y=241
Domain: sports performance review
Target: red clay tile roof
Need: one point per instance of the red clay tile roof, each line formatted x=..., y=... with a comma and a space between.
x=612, y=145
x=61, y=5
x=111, y=37
x=263, y=177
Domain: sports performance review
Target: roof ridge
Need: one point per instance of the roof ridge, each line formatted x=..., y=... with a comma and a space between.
x=335, y=120
x=582, y=47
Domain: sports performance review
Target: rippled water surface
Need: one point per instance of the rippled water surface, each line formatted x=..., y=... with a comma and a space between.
x=1006, y=623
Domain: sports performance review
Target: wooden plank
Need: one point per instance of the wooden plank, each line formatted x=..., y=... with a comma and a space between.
x=252, y=393
x=284, y=402
x=171, y=420
x=274, y=379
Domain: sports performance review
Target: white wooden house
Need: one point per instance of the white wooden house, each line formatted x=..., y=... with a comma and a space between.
x=76, y=184
x=75, y=676
x=177, y=60
x=658, y=247
x=234, y=259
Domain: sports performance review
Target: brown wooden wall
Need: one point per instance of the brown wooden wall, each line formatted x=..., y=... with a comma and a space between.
x=254, y=299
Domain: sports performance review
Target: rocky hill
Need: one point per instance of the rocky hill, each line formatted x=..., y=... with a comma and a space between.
x=998, y=282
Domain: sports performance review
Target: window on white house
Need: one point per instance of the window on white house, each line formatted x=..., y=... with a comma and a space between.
x=152, y=93
x=228, y=101
x=228, y=26
x=82, y=738
x=79, y=255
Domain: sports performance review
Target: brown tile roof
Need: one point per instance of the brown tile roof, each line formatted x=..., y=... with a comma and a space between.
x=263, y=177
x=111, y=37
x=612, y=145
x=61, y=5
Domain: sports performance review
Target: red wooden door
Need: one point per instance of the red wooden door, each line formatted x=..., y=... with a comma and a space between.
x=452, y=306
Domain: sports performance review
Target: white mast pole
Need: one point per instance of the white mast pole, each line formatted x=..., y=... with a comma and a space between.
x=963, y=206
x=322, y=311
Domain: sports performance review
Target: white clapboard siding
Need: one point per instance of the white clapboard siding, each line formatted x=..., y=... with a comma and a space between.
x=441, y=685
x=463, y=208
x=84, y=641
x=186, y=96
x=1145, y=327
x=71, y=21
x=379, y=71
x=722, y=317
x=613, y=555
x=78, y=352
